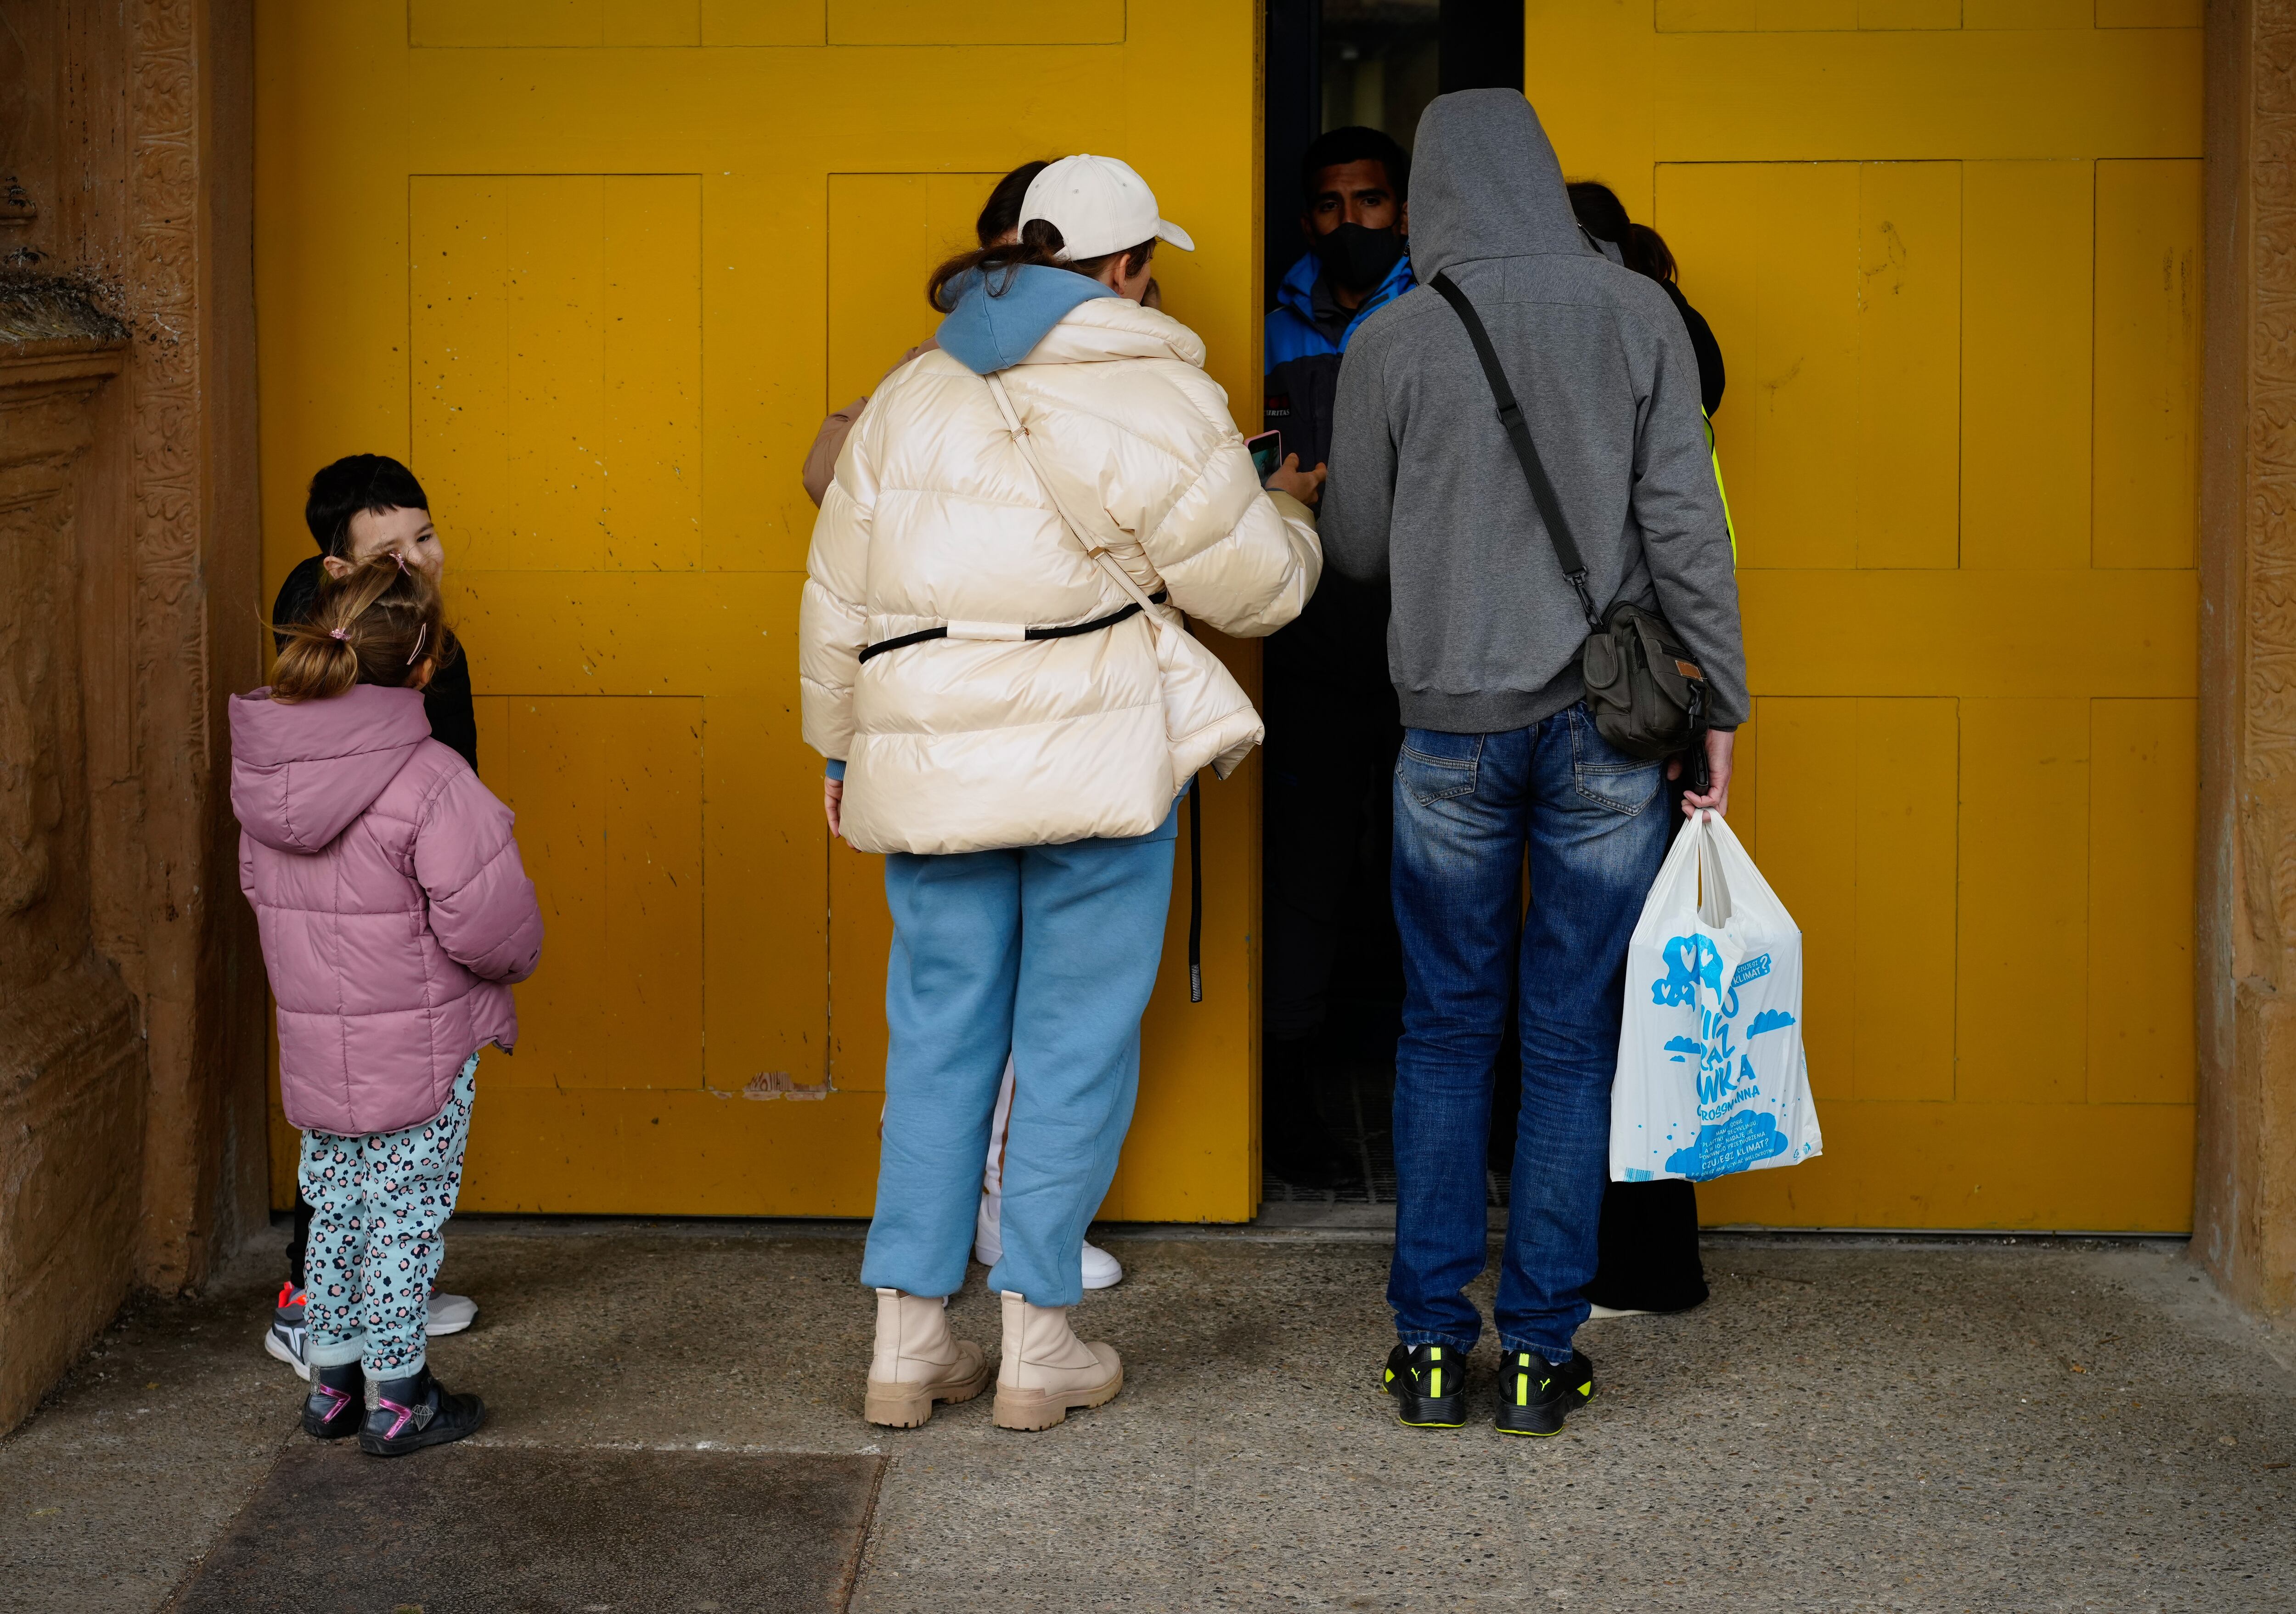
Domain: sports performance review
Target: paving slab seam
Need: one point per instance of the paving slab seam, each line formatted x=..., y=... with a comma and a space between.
x=1348, y=1225
x=856, y=1566
x=720, y=1448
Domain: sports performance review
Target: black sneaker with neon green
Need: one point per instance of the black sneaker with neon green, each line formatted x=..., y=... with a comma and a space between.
x=1428, y=1382
x=1535, y=1394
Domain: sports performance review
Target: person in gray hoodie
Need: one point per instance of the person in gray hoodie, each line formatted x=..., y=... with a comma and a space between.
x=1500, y=756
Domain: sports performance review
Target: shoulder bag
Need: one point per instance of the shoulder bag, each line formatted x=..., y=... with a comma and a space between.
x=1646, y=691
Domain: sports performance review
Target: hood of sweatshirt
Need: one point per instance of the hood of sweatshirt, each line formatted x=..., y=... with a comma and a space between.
x=301, y=774
x=987, y=333
x=1485, y=183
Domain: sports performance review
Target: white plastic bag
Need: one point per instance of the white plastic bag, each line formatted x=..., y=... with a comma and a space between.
x=1712, y=1078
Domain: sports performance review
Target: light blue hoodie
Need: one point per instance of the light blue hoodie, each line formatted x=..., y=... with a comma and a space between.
x=994, y=325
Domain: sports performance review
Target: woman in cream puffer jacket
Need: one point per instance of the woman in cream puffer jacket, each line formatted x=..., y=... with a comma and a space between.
x=935, y=519
x=1024, y=789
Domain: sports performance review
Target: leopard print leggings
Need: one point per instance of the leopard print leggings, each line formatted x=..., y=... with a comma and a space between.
x=378, y=1203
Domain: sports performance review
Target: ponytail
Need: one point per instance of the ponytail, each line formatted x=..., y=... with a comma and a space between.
x=378, y=625
x=1646, y=253
x=1039, y=246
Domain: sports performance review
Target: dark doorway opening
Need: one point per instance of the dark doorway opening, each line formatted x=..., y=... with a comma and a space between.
x=1333, y=64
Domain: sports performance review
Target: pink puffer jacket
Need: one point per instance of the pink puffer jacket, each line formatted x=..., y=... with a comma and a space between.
x=395, y=912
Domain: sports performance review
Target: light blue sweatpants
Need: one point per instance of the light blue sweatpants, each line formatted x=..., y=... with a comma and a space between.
x=1050, y=952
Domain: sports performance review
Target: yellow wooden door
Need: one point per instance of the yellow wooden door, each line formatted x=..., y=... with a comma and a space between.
x=595, y=268
x=1951, y=251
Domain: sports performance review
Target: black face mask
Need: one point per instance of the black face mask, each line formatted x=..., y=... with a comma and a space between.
x=1356, y=258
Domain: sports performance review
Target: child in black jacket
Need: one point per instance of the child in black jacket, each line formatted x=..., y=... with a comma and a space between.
x=359, y=507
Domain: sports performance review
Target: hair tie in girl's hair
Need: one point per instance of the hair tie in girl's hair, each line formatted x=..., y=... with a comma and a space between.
x=400, y=556
x=421, y=634
x=338, y=633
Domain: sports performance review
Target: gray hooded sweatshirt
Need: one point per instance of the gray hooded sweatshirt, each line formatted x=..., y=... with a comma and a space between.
x=1426, y=491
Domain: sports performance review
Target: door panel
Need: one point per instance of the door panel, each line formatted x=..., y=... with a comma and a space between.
x=1951, y=256
x=1781, y=16
x=557, y=348
x=1839, y=320
x=607, y=794
x=594, y=268
x=2148, y=362
x=1859, y=819
x=2025, y=365
x=2023, y=1016
x=2142, y=761
x=554, y=22
x=1007, y=22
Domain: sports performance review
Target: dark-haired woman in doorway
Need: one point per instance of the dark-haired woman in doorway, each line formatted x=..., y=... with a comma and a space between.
x=1649, y=1260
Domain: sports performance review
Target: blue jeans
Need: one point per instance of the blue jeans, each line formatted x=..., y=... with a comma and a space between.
x=1050, y=952
x=1595, y=822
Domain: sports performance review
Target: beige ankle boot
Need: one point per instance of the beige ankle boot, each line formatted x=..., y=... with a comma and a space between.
x=918, y=1362
x=1047, y=1370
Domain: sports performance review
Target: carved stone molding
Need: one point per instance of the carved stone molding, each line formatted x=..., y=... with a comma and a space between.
x=131, y=1039
x=167, y=907
x=45, y=427
x=71, y=1064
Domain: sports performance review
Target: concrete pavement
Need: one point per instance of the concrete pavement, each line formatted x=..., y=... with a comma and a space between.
x=1845, y=1425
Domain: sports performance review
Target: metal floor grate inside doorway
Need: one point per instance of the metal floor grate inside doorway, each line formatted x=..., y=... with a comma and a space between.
x=1359, y=1107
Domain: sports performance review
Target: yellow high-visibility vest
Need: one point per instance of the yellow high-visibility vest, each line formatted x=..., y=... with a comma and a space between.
x=1714, y=454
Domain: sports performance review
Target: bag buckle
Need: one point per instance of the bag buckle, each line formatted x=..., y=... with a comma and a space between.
x=1586, y=600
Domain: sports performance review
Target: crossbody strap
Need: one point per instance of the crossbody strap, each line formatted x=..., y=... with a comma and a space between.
x=1526, y=452
x=1147, y=606
x=1076, y=528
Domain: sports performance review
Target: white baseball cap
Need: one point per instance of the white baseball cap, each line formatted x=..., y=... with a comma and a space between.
x=1100, y=206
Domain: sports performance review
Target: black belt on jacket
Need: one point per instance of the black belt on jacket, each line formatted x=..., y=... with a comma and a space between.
x=1195, y=796
x=1067, y=630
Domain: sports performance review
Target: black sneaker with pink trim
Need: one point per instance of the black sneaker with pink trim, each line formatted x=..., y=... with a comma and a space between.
x=405, y=1415
x=337, y=1402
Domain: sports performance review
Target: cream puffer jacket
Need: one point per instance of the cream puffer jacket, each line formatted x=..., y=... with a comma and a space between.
x=934, y=517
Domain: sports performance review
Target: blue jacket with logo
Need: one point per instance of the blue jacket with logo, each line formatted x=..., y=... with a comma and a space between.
x=1303, y=364
x=1326, y=673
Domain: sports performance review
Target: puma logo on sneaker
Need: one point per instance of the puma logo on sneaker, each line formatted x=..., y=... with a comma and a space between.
x=1428, y=1383
x=1536, y=1395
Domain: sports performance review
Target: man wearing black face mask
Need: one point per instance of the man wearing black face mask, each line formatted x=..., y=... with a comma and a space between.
x=1331, y=707
x=1354, y=184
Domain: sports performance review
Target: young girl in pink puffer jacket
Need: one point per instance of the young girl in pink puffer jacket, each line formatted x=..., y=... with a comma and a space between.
x=395, y=915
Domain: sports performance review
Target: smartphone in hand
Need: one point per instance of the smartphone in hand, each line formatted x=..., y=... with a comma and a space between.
x=1267, y=451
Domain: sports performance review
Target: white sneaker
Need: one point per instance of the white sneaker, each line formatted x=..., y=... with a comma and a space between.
x=1100, y=1269
x=450, y=1314
x=1593, y=1311
x=988, y=1240
x=283, y=1339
